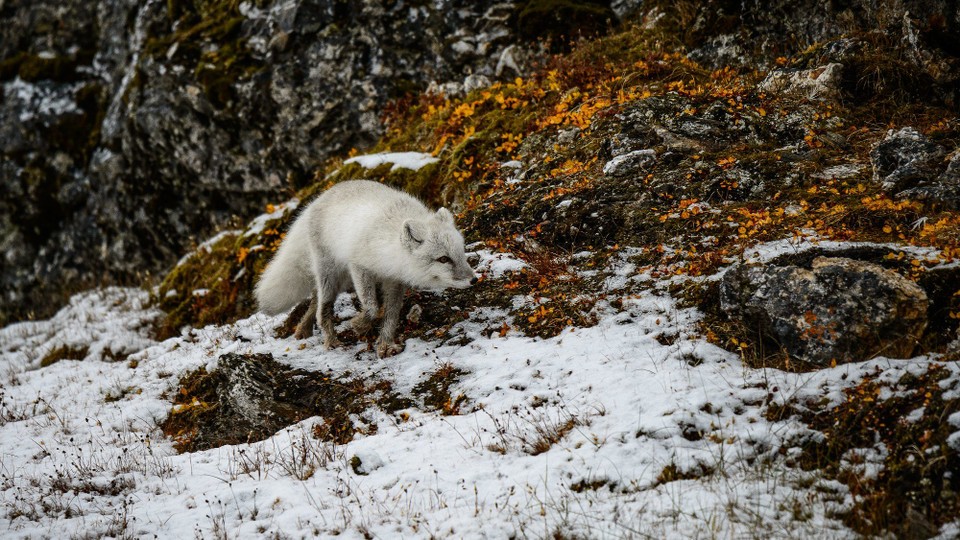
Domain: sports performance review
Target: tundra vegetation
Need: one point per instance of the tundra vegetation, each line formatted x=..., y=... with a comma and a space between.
x=732, y=162
x=634, y=150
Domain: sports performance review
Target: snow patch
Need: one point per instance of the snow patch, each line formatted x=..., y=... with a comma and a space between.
x=494, y=265
x=40, y=100
x=632, y=398
x=258, y=223
x=401, y=160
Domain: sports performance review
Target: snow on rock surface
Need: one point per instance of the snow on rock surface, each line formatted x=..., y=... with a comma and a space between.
x=256, y=226
x=629, y=163
x=401, y=160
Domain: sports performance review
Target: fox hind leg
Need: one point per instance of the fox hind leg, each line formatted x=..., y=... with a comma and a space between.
x=326, y=302
x=305, y=327
x=328, y=286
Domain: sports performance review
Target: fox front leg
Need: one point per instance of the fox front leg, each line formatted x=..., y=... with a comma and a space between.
x=392, y=304
x=366, y=287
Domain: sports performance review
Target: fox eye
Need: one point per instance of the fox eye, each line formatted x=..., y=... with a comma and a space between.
x=444, y=260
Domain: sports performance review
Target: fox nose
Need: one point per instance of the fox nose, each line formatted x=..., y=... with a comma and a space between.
x=474, y=280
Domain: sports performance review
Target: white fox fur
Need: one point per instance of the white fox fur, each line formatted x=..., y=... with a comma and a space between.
x=361, y=236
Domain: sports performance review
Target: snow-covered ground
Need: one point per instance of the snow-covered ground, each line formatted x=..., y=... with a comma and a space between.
x=661, y=435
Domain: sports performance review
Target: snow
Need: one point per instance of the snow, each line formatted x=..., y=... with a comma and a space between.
x=401, y=160
x=641, y=393
x=493, y=265
x=839, y=172
x=631, y=160
x=256, y=226
x=46, y=101
x=771, y=250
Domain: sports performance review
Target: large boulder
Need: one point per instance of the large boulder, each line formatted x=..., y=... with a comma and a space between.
x=838, y=309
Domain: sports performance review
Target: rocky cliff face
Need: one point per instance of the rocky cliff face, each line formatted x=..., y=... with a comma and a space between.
x=129, y=127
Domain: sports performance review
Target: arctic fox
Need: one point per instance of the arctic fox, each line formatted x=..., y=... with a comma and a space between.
x=360, y=236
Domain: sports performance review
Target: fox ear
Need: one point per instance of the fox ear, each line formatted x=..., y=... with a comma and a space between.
x=413, y=233
x=444, y=215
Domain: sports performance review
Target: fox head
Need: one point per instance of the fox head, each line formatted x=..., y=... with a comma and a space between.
x=436, y=247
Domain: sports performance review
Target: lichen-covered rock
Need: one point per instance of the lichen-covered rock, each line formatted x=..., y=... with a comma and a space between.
x=905, y=159
x=820, y=83
x=944, y=189
x=910, y=165
x=630, y=164
x=839, y=309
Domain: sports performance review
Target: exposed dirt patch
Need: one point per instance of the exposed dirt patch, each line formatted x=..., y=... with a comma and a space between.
x=250, y=397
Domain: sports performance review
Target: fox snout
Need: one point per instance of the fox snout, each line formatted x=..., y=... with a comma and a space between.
x=466, y=276
x=466, y=282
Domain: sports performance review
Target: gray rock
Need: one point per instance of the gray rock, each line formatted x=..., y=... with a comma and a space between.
x=626, y=9
x=838, y=309
x=909, y=165
x=945, y=189
x=630, y=164
x=821, y=83
x=905, y=158
x=248, y=397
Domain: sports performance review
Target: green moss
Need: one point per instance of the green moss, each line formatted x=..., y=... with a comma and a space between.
x=427, y=183
x=403, y=87
x=33, y=68
x=77, y=134
x=225, y=275
x=209, y=38
x=10, y=67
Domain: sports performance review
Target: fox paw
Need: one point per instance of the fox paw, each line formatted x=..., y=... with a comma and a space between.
x=331, y=342
x=387, y=348
x=361, y=324
x=303, y=331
